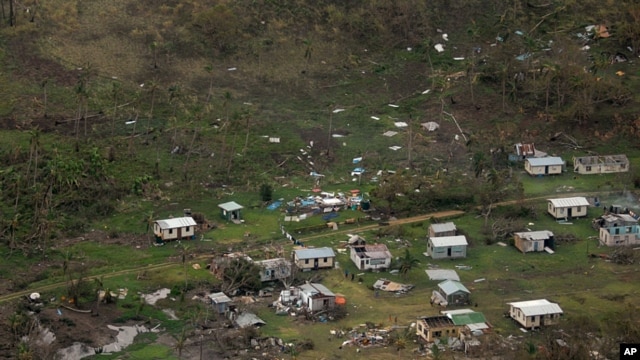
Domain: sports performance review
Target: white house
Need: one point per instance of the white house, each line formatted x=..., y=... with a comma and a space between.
x=174, y=229
x=316, y=297
x=447, y=247
x=527, y=241
x=314, y=258
x=535, y=313
x=549, y=165
x=369, y=256
x=568, y=208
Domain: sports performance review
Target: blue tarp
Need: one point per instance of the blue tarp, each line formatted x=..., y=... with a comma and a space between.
x=330, y=216
x=274, y=205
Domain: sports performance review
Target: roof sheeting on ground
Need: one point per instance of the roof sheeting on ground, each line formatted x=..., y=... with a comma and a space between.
x=430, y=126
x=569, y=202
x=246, y=319
x=535, y=235
x=442, y=274
x=388, y=285
x=444, y=227
x=176, y=222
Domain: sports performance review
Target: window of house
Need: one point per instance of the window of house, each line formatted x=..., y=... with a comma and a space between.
x=188, y=228
x=533, y=318
x=561, y=211
x=306, y=261
x=170, y=231
x=589, y=168
x=437, y=333
x=326, y=259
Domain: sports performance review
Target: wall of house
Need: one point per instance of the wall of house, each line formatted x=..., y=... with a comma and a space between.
x=458, y=298
x=430, y=335
x=525, y=245
x=310, y=263
x=620, y=235
x=561, y=213
x=601, y=168
x=533, y=321
x=442, y=252
x=540, y=170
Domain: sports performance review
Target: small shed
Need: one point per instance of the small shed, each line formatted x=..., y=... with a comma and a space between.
x=550, y=165
x=314, y=258
x=522, y=151
x=174, y=229
x=447, y=247
x=444, y=229
x=568, y=208
x=452, y=292
x=533, y=240
x=317, y=297
x=535, y=313
x=231, y=211
x=220, y=302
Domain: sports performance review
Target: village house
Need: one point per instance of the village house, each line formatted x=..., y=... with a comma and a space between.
x=451, y=292
x=568, y=208
x=614, y=220
x=431, y=328
x=601, y=164
x=274, y=269
x=472, y=322
x=316, y=297
x=220, y=301
x=447, y=247
x=535, y=313
x=314, y=258
x=444, y=229
x=369, y=256
x=174, y=229
x=549, y=165
x=230, y=211
x=620, y=235
x=528, y=241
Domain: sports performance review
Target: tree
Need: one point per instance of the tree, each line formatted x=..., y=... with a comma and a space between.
x=240, y=273
x=266, y=192
x=406, y=263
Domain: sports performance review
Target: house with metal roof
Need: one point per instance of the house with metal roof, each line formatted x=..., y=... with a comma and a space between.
x=535, y=313
x=444, y=229
x=451, y=292
x=528, y=241
x=447, y=247
x=317, y=297
x=314, y=258
x=368, y=256
x=474, y=323
x=174, y=229
x=539, y=166
x=568, y=208
x=601, y=164
x=231, y=211
x=274, y=269
x=220, y=302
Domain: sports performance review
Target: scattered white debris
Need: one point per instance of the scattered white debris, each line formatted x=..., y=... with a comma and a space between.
x=458, y=58
x=479, y=280
x=394, y=105
x=439, y=47
x=375, y=118
x=275, y=140
x=400, y=124
x=390, y=133
x=445, y=37
x=232, y=69
x=426, y=91
x=395, y=147
x=500, y=243
x=130, y=122
x=337, y=111
x=337, y=135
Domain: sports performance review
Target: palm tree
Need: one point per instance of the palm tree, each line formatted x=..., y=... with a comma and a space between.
x=407, y=262
x=181, y=342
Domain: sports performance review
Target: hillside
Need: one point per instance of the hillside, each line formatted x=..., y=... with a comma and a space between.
x=116, y=112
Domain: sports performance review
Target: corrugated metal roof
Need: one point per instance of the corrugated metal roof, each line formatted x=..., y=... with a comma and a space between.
x=315, y=288
x=535, y=235
x=442, y=274
x=219, y=298
x=249, y=319
x=537, y=307
x=451, y=286
x=468, y=318
x=176, y=223
x=444, y=227
x=546, y=161
x=314, y=253
x=569, y=202
x=230, y=206
x=456, y=240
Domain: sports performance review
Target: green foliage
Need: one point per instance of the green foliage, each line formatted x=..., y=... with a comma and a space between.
x=266, y=192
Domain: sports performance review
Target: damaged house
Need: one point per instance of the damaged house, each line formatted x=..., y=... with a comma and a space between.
x=528, y=241
x=369, y=256
x=274, y=269
x=601, y=164
x=311, y=296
